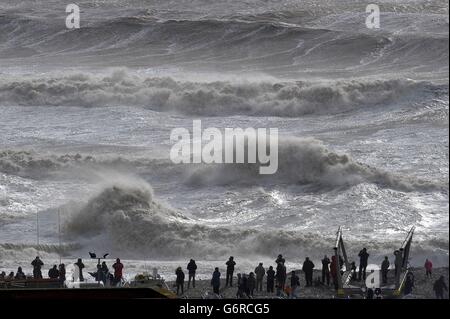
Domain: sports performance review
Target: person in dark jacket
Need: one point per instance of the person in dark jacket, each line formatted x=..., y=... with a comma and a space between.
x=53, y=273
x=308, y=268
x=295, y=284
x=385, y=269
x=180, y=280
x=353, y=270
x=270, y=279
x=245, y=287
x=62, y=272
x=251, y=283
x=326, y=270
x=363, y=260
x=99, y=275
x=37, y=265
x=370, y=293
x=230, y=270
x=440, y=287
x=20, y=275
x=80, y=266
x=260, y=273
x=281, y=275
x=240, y=290
x=215, y=281
x=192, y=268
x=409, y=284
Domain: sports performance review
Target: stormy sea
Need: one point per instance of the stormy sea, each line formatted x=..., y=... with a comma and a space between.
x=86, y=116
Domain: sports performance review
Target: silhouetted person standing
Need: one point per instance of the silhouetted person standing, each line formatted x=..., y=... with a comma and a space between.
x=80, y=265
x=251, y=284
x=215, y=281
x=118, y=271
x=409, y=284
x=353, y=270
x=385, y=269
x=230, y=270
x=192, y=268
x=308, y=268
x=245, y=289
x=363, y=260
x=326, y=270
x=53, y=273
x=281, y=275
x=19, y=274
x=369, y=294
x=240, y=291
x=295, y=285
x=260, y=273
x=62, y=273
x=333, y=271
x=440, y=287
x=180, y=280
x=37, y=265
x=270, y=279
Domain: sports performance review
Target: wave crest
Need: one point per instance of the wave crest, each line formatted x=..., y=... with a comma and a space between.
x=264, y=98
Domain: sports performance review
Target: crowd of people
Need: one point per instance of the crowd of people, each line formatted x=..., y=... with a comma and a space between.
x=248, y=283
x=102, y=273
x=276, y=279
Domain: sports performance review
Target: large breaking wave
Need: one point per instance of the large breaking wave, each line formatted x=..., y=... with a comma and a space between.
x=262, y=98
x=308, y=161
x=128, y=220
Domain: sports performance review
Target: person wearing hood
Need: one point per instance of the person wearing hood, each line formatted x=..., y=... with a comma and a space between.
x=215, y=281
x=180, y=280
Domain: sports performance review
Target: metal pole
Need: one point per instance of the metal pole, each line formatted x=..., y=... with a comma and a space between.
x=37, y=229
x=59, y=234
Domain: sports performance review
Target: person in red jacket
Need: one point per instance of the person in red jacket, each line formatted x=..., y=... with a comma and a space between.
x=118, y=267
x=428, y=268
x=333, y=271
